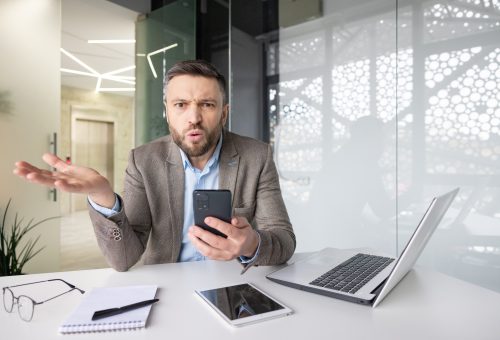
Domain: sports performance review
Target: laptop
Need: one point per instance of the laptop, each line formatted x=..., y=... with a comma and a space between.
x=358, y=276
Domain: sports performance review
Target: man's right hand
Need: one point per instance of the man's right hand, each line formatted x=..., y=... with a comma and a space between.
x=69, y=178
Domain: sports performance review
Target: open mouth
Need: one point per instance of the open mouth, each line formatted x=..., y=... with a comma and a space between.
x=195, y=135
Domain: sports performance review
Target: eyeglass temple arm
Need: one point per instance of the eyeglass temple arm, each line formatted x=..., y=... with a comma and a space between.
x=40, y=302
x=70, y=285
x=67, y=283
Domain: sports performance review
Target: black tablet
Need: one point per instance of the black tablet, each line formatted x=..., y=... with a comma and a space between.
x=243, y=304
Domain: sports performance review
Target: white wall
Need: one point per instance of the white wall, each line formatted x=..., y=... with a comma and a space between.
x=30, y=34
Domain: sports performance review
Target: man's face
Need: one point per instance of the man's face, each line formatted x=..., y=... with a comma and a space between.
x=196, y=113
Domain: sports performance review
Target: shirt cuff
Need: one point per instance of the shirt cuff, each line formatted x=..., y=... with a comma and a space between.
x=106, y=212
x=247, y=260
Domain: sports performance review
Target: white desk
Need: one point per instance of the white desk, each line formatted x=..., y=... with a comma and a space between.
x=425, y=305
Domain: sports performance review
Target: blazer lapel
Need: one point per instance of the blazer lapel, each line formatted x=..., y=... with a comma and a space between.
x=175, y=178
x=228, y=165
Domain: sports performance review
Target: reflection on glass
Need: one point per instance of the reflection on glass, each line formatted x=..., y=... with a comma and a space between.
x=165, y=36
x=426, y=88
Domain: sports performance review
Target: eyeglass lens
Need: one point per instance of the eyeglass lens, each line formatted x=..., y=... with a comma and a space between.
x=8, y=299
x=25, y=307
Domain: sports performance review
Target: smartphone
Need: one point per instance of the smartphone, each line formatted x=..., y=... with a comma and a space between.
x=214, y=203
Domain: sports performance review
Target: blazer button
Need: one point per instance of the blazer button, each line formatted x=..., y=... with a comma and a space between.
x=118, y=238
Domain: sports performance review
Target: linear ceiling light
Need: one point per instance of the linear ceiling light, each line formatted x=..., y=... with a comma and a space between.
x=111, y=41
x=79, y=62
x=120, y=70
x=116, y=89
x=108, y=75
x=156, y=52
x=119, y=79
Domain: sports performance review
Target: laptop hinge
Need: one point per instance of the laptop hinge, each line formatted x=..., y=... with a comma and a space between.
x=377, y=289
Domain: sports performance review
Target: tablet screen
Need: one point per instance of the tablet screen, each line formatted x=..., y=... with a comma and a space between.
x=240, y=301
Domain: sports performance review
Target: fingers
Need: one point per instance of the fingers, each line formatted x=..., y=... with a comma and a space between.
x=221, y=226
x=55, y=162
x=240, y=222
x=198, y=237
x=209, y=238
x=69, y=186
x=241, y=239
x=33, y=174
x=23, y=169
x=40, y=178
x=45, y=177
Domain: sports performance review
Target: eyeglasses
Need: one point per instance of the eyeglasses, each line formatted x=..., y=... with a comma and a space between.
x=25, y=304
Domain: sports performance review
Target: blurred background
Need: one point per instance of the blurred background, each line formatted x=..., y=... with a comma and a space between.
x=372, y=109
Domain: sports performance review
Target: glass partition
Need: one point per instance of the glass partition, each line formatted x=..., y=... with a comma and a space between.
x=448, y=130
x=375, y=107
x=332, y=118
x=30, y=92
x=163, y=37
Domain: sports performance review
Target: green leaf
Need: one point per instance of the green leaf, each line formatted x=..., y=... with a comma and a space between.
x=13, y=256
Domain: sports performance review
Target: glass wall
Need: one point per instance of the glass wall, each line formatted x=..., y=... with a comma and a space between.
x=448, y=130
x=332, y=120
x=375, y=107
x=163, y=37
x=30, y=92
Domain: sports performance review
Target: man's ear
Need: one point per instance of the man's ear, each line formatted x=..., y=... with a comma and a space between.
x=225, y=113
x=165, y=110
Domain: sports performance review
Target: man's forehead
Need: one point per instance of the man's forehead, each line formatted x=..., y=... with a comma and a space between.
x=187, y=84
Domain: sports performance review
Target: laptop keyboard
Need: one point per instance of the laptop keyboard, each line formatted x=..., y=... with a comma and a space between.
x=353, y=274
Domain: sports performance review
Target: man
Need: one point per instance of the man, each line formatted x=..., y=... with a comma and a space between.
x=154, y=219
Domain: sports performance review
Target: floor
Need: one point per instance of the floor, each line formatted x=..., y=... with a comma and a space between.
x=79, y=248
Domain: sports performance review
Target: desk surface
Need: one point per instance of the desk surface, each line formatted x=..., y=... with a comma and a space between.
x=425, y=305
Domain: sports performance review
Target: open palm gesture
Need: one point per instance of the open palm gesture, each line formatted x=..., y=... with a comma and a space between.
x=69, y=178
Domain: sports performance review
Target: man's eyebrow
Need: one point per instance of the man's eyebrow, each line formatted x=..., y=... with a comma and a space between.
x=208, y=100
x=202, y=100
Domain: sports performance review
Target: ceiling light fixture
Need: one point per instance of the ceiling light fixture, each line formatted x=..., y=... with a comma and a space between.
x=79, y=62
x=111, y=41
x=108, y=75
x=116, y=89
x=156, y=52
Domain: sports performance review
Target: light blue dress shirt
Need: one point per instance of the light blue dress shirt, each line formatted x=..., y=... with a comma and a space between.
x=195, y=179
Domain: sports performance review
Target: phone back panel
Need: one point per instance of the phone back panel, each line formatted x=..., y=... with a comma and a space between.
x=214, y=203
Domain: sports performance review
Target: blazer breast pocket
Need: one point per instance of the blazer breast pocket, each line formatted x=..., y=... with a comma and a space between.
x=248, y=212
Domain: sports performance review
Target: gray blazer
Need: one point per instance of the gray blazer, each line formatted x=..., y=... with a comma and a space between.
x=152, y=216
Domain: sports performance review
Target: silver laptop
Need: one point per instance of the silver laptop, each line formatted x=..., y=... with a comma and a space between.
x=361, y=277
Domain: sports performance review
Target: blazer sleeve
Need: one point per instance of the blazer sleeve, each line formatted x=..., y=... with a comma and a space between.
x=271, y=218
x=123, y=237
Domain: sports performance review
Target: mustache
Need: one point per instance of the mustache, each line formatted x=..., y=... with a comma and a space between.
x=194, y=127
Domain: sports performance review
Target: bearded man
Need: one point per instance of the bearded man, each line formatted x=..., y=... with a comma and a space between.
x=154, y=218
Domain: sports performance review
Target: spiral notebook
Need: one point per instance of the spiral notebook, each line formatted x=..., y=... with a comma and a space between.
x=80, y=320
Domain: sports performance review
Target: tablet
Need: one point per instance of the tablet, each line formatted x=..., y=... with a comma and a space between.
x=243, y=304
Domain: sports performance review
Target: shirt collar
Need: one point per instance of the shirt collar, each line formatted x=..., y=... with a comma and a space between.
x=213, y=160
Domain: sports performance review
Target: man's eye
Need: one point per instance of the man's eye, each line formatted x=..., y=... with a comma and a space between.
x=208, y=105
x=179, y=105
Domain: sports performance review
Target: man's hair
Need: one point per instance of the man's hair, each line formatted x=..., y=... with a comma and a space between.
x=196, y=68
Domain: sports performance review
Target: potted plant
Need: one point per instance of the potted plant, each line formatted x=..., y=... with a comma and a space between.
x=14, y=254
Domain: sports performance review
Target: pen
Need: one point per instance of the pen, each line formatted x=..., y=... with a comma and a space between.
x=114, y=311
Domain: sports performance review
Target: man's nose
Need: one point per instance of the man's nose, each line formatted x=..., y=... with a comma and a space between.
x=194, y=114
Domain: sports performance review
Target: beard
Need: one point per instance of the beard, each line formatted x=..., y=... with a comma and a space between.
x=211, y=137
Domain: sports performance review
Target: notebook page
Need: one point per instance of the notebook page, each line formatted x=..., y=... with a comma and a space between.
x=80, y=320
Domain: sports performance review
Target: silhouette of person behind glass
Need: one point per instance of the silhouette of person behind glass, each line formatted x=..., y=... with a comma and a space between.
x=351, y=180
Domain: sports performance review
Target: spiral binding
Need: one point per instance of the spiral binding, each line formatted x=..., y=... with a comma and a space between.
x=101, y=327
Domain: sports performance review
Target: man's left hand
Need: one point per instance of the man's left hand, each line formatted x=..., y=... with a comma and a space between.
x=242, y=239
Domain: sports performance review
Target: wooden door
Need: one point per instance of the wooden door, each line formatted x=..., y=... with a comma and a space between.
x=92, y=147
